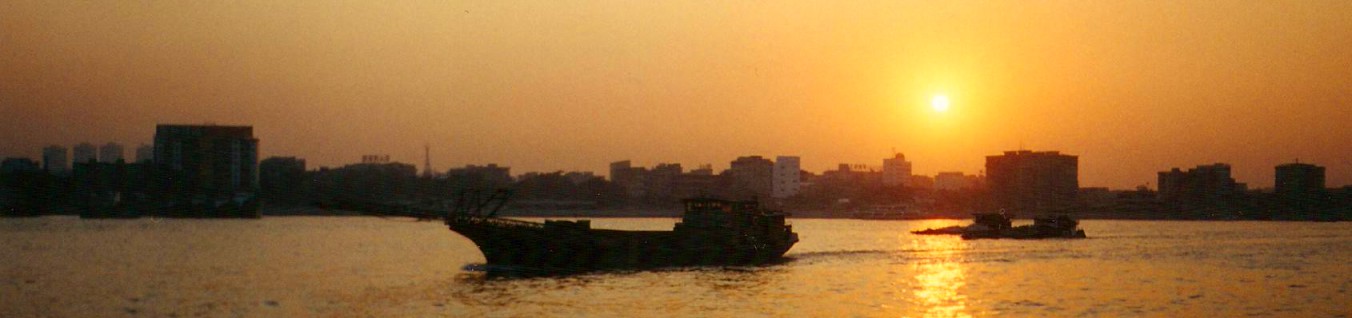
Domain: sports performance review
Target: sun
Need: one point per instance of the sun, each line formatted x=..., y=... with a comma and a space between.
x=939, y=103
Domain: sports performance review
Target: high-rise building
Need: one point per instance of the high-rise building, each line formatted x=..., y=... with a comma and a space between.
x=215, y=160
x=84, y=152
x=1299, y=186
x=54, y=160
x=1028, y=181
x=752, y=176
x=145, y=153
x=896, y=171
x=788, y=176
x=110, y=152
x=624, y=174
x=1296, y=179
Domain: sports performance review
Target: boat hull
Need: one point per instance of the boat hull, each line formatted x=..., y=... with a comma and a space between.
x=524, y=245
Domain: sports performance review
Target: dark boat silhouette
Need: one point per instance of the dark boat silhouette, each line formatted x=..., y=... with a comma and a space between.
x=711, y=232
x=998, y=225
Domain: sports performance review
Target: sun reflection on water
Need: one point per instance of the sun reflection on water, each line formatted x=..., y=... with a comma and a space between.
x=939, y=276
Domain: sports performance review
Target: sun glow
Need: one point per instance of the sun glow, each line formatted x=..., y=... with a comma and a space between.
x=939, y=103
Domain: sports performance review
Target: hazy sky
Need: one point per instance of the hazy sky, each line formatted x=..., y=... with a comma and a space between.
x=1133, y=88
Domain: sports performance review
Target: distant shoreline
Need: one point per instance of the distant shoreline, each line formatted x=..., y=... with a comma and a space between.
x=676, y=213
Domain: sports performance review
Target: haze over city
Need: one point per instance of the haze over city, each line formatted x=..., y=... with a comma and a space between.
x=1130, y=88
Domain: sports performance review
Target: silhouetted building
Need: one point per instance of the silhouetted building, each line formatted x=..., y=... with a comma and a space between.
x=386, y=182
x=218, y=158
x=115, y=189
x=1206, y=189
x=624, y=174
x=787, y=178
x=896, y=171
x=1028, y=181
x=19, y=165
x=55, y=160
x=84, y=152
x=145, y=153
x=1299, y=179
x=110, y=152
x=212, y=168
x=490, y=176
x=752, y=176
x=1300, y=187
x=25, y=190
x=281, y=180
x=660, y=182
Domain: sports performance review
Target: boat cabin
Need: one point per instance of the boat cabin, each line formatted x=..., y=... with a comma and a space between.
x=707, y=213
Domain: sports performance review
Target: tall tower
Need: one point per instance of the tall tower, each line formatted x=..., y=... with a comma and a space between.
x=427, y=160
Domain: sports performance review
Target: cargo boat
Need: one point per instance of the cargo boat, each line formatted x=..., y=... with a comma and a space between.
x=711, y=232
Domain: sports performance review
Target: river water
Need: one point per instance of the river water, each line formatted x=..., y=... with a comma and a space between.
x=362, y=266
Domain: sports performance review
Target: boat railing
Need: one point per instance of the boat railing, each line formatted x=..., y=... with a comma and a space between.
x=496, y=221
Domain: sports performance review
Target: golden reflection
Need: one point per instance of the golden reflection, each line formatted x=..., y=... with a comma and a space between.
x=939, y=277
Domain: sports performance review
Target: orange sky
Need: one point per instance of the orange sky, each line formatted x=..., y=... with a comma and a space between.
x=1131, y=87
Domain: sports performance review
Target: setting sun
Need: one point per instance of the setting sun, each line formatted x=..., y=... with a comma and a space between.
x=939, y=103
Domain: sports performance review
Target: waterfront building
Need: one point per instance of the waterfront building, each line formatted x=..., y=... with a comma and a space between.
x=1205, y=188
x=1298, y=179
x=84, y=152
x=208, y=170
x=55, y=160
x=490, y=176
x=624, y=174
x=384, y=182
x=281, y=180
x=110, y=152
x=1028, y=181
x=896, y=171
x=660, y=182
x=787, y=176
x=216, y=158
x=1202, y=183
x=752, y=176
x=1300, y=187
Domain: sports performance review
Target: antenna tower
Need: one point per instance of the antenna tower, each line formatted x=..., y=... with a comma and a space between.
x=427, y=160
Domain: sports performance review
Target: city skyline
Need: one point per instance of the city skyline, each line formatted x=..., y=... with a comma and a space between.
x=1131, y=88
